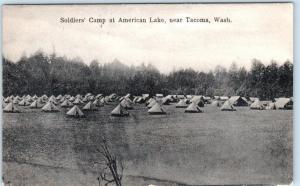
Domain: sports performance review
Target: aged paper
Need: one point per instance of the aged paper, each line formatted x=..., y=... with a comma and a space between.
x=148, y=94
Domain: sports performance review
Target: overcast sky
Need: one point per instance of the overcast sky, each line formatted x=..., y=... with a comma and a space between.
x=262, y=31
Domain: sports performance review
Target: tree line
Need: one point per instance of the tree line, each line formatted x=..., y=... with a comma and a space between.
x=53, y=75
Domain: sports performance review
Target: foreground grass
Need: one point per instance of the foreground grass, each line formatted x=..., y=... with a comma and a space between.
x=213, y=147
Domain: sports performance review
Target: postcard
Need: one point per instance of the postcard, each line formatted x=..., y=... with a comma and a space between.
x=147, y=94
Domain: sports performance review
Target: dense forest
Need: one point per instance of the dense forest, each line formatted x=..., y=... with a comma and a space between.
x=50, y=74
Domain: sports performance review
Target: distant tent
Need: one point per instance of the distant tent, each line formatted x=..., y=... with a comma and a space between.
x=52, y=97
x=152, y=103
x=271, y=106
x=171, y=98
x=156, y=109
x=10, y=107
x=181, y=104
x=103, y=101
x=159, y=95
x=88, y=94
x=149, y=101
x=24, y=103
x=85, y=99
x=66, y=103
x=199, y=100
x=119, y=111
x=181, y=97
x=253, y=99
x=59, y=97
x=166, y=101
x=77, y=101
x=223, y=98
x=112, y=97
x=135, y=99
x=193, y=108
x=227, y=106
x=36, y=104
x=284, y=103
x=7, y=100
x=29, y=100
x=78, y=96
x=75, y=112
x=90, y=106
x=126, y=103
x=42, y=100
x=44, y=97
x=257, y=105
x=91, y=98
x=206, y=99
x=72, y=98
x=196, y=99
x=217, y=97
x=216, y=103
x=98, y=103
x=49, y=107
x=141, y=100
x=189, y=97
x=62, y=99
x=128, y=96
x=99, y=96
x=238, y=101
x=16, y=100
x=53, y=100
x=34, y=97
x=145, y=97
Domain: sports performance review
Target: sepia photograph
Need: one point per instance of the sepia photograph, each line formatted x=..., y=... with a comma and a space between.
x=147, y=94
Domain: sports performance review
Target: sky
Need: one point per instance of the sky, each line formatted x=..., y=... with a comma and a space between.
x=261, y=31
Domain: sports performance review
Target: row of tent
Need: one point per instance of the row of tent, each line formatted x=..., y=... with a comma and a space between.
x=126, y=103
x=281, y=103
x=79, y=99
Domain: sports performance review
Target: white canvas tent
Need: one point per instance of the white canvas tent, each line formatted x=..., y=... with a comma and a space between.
x=75, y=112
x=50, y=107
x=181, y=104
x=66, y=103
x=90, y=106
x=193, y=108
x=227, y=106
x=119, y=111
x=284, y=103
x=36, y=104
x=10, y=107
x=257, y=105
x=157, y=109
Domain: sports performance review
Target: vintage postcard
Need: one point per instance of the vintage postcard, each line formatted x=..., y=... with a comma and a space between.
x=147, y=94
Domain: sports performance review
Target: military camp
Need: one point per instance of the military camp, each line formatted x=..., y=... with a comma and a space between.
x=182, y=126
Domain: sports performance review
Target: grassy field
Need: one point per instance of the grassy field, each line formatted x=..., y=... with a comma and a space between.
x=213, y=147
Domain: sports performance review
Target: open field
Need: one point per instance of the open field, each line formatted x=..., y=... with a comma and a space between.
x=213, y=147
